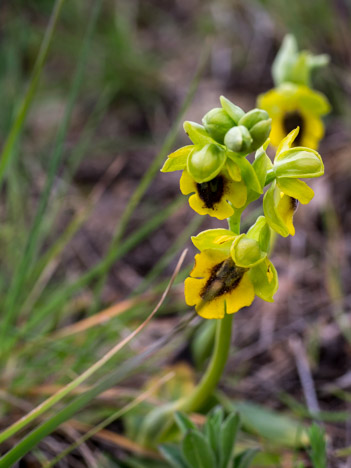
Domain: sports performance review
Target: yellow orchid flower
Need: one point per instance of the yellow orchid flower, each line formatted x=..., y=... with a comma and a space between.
x=292, y=105
x=212, y=197
x=281, y=199
x=230, y=270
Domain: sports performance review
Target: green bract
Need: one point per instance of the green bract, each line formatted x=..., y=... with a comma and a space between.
x=197, y=133
x=293, y=66
x=234, y=112
x=205, y=163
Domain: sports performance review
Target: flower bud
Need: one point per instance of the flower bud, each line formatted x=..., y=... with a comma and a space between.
x=217, y=122
x=246, y=252
x=204, y=164
x=259, y=133
x=238, y=139
x=234, y=112
x=253, y=117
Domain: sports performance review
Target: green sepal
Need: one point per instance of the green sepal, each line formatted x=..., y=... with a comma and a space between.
x=261, y=232
x=261, y=165
x=234, y=112
x=205, y=164
x=264, y=278
x=197, y=133
x=314, y=100
x=253, y=117
x=218, y=239
x=246, y=252
x=217, y=123
x=238, y=139
x=298, y=162
x=296, y=188
x=293, y=66
x=259, y=133
x=177, y=161
x=248, y=174
x=270, y=202
x=284, y=60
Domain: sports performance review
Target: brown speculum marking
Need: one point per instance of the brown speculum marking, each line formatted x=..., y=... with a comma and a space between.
x=290, y=122
x=293, y=203
x=212, y=191
x=225, y=277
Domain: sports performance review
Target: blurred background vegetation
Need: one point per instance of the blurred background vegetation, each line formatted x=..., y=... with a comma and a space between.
x=116, y=85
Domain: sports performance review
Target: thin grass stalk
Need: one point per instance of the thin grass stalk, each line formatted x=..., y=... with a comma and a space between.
x=24, y=107
x=32, y=439
x=47, y=404
x=60, y=299
x=112, y=418
x=50, y=260
x=151, y=172
x=32, y=243
x=165, y=260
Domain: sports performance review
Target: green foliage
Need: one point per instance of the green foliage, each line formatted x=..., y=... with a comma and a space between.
x=213, y=446
x=318, y=450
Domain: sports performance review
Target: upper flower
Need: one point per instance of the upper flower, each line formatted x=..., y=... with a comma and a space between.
x=230, y=270
x=281, y=199
x=292, y=103
x=290, y=106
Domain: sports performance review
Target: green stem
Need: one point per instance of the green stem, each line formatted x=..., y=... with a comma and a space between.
x=269, y=177
x=234, y=221
x=159, y=421
x=208, y=383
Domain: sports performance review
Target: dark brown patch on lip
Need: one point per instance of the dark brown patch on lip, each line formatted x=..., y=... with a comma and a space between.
x=225, y=277
x=293, y=203
x=290, y=122
x=211, y=192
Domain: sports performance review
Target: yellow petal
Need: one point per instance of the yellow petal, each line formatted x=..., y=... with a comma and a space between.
x=221, y=210
x=187, y=183
x=211, y=309
x=287, y=142
x=192, y=289
x=242, y=296
x=205, y=261
x=237, y=193
x=286, y=209
x=277, y=132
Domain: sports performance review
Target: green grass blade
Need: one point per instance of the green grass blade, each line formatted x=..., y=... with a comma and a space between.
x=32, y=439
x=154, y=167
x=106, y=422
x=24, y=107
x=31, y=247
x=117, y=253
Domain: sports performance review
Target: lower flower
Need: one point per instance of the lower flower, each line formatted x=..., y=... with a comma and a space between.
x=212, y=197
x=217, y=285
